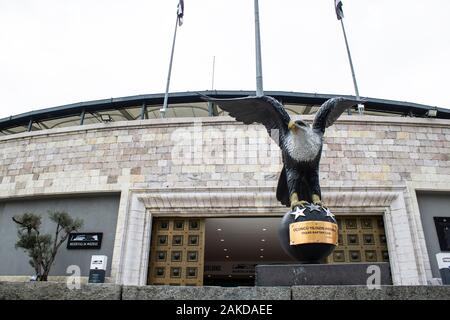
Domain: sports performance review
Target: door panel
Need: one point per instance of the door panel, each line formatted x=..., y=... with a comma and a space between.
x=177, y=252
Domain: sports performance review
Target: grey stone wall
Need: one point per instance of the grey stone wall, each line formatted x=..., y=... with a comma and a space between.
x=205, y=293
x=362, y=293
x=59, y=291
x=359, y=151
x=433, y=204
x=99, y=214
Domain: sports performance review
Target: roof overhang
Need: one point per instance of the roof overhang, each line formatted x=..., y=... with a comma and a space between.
x=371, y=104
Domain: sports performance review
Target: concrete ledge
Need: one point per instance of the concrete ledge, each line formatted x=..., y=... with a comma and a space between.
x=205, y=293
x=59, y=279
x=319, y=274
x=363, y=293
x=57, y=291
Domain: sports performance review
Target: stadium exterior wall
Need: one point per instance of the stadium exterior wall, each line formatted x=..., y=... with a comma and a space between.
x=208, y=166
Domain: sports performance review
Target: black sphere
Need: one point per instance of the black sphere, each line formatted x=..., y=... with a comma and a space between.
x=305, y=253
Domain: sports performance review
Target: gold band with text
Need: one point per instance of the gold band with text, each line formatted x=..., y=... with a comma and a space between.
x=313, y=232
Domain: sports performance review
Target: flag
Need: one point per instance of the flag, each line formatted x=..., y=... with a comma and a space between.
x=339, y=11
x=180, y=12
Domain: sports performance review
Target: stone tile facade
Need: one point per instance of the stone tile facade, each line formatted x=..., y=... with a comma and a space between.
x=361, y=154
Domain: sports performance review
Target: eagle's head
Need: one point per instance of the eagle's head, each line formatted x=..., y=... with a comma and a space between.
x=297, y=124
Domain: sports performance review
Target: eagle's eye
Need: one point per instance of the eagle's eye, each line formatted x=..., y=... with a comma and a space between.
x=301, y=123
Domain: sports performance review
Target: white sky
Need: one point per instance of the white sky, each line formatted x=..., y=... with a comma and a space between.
x=55, y=52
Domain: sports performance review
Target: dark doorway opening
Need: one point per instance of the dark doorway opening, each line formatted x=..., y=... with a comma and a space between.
x=234, y=246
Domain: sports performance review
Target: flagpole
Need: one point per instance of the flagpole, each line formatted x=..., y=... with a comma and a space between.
x=213, y=72
x=259, y=77
x=355, y=84
x=166, y=95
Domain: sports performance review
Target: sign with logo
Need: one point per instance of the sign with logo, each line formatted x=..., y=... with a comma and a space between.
x=313, y=232
x=85, y=240
x=97, y=270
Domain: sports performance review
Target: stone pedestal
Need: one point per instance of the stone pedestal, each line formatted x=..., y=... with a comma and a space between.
x=320, y=274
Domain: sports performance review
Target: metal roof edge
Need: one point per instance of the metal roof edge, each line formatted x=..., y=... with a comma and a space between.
x=375, y=104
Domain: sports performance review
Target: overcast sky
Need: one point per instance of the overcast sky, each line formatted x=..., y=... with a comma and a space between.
x=55, y=52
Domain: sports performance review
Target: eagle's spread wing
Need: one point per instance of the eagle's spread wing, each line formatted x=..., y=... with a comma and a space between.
x=331, y=110
x=265, y=110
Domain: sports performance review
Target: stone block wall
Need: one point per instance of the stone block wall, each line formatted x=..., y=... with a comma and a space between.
x=358, y=151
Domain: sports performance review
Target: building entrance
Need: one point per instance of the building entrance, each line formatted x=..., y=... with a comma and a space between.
x=225, y=251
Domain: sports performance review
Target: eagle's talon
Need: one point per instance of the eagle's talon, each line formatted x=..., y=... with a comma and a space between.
x=317, y=201
x=301, y=204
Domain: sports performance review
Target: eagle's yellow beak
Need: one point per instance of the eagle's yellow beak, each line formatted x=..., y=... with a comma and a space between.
x=292, y=126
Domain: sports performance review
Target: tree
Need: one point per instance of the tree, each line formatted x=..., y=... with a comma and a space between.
x=42, y=248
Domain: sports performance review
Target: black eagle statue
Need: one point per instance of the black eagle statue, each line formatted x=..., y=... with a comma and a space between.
x=301, y=144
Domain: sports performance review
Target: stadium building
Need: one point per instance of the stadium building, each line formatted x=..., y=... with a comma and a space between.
x=190, y=199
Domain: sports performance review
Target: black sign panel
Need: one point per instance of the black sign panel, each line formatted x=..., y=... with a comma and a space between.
x=97, y=276
x=443, y=232
x=85, y=240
